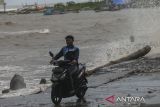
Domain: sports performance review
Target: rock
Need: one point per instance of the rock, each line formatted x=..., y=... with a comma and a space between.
x=132, y=38
x=43, y=81
x=136, y=89
x=5, y=91
x=150, y=92
x=8, y=23
x=128, y=95
x=17, y=82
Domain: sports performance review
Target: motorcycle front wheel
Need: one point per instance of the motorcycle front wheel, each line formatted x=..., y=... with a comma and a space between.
x=56, y=100
x=80, y=94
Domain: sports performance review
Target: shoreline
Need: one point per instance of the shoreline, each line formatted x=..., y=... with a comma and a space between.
x=131, y=83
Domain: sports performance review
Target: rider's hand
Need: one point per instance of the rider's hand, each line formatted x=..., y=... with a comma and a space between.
x=73, y=62
x=52, y=61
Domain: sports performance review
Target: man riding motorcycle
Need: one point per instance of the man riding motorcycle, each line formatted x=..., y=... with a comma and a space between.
x=71, y=53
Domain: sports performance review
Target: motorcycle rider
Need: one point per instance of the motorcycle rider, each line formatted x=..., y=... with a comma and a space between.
x=71, y=53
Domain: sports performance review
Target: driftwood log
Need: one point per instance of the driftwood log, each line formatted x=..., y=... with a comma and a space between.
x=140, y=53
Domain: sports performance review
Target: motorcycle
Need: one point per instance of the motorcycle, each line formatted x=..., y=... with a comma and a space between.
x=61, y=83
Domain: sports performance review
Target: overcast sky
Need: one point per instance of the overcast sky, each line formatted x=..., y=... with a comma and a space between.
x=20, y=2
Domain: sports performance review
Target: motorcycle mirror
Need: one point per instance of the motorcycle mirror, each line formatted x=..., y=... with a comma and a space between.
x=51, y=54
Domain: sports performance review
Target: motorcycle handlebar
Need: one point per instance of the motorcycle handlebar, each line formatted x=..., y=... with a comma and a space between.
x=55, y=62
x=59, y=62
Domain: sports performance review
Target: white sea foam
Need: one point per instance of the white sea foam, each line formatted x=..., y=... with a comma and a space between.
x=41, y=31
x=26, y=91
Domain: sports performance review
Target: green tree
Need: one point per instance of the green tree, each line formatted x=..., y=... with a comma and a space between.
x=59, y=6
x=71, y=3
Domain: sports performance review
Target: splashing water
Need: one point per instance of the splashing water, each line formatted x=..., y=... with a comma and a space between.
x=144, y=28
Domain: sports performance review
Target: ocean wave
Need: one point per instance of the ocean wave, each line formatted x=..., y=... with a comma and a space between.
x=41, y=31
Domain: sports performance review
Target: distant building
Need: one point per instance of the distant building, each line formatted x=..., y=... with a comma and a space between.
x=95, y=0
x=98, y=0
x=117, y=4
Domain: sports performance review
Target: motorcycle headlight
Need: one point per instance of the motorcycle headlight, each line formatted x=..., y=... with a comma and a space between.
x=54, y=78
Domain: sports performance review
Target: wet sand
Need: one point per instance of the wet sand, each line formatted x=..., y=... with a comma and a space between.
x=138, y=78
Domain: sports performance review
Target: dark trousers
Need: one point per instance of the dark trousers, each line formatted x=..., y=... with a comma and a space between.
x=71, y=70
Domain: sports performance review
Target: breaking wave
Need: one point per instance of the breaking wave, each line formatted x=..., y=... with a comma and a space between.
x=41, y=31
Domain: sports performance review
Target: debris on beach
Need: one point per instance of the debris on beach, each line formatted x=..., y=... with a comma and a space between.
x=7, y=23
x=5, y=91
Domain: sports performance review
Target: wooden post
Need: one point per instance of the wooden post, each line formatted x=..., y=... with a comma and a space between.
x=4, y=6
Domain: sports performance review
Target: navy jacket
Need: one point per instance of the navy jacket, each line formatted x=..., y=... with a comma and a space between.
x=69, y=52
